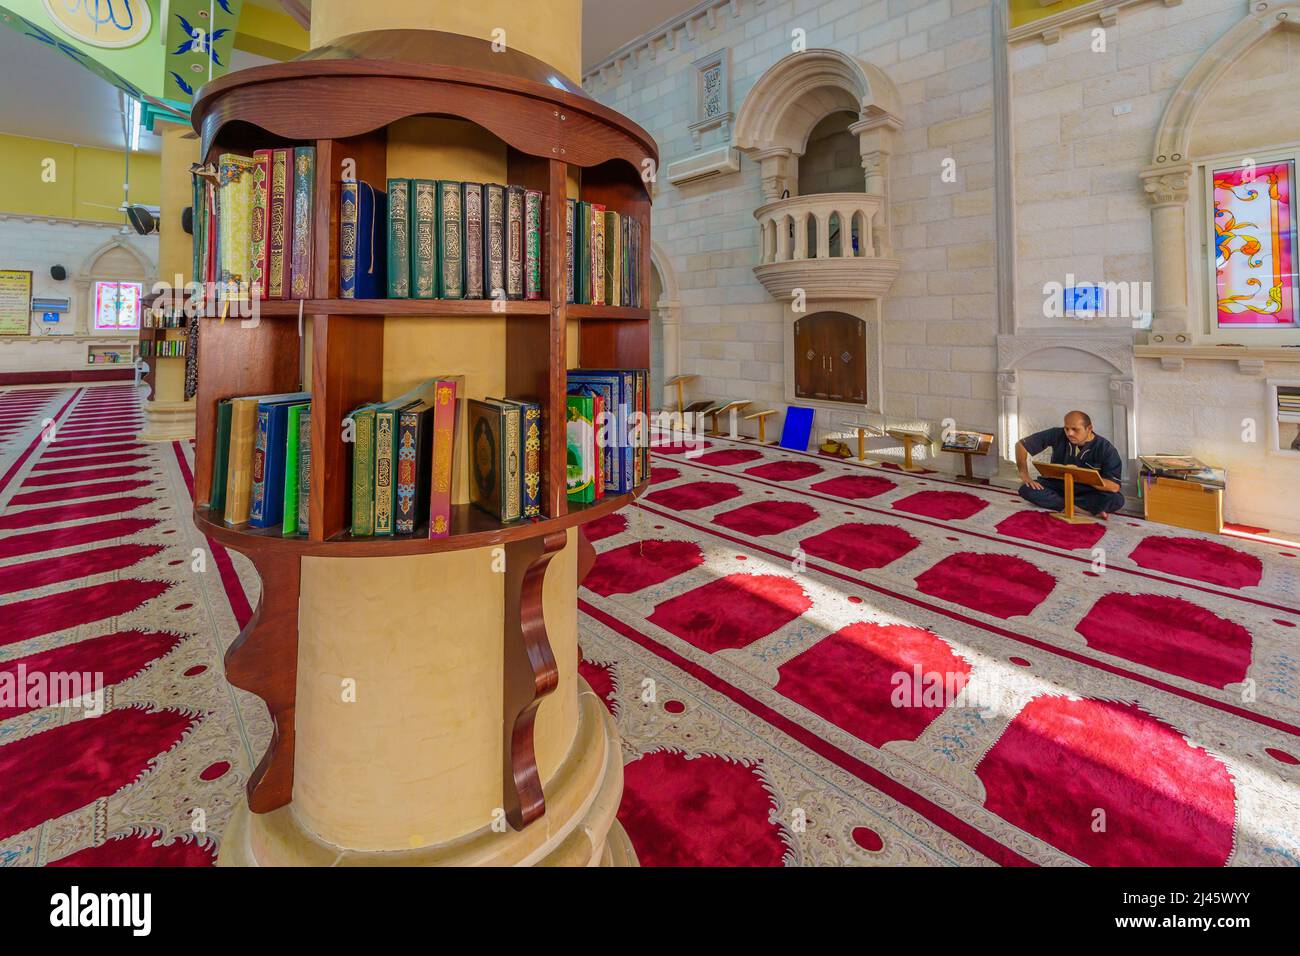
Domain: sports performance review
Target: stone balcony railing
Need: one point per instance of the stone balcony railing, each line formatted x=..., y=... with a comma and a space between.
x=830, y=245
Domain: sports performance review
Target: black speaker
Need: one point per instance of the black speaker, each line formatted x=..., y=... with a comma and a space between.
x=142, y=220
x=58, y=272
x=187, y=220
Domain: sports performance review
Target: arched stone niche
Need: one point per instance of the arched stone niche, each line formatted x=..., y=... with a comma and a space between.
x=787, y=102
x=117, y=260
x=1043, y=377
x=1217, y=110
x=666, y=321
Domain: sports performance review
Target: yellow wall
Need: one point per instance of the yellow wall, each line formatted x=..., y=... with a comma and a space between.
x=1027, y=11
x=83, y=175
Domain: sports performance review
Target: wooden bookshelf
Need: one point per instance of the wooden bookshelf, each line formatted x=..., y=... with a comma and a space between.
x=344, y=101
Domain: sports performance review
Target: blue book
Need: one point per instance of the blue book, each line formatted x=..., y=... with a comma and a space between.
x=266, y=510
x=618, y=389
x=362, y=241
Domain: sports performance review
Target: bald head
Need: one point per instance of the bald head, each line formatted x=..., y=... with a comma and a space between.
x=1078, y=427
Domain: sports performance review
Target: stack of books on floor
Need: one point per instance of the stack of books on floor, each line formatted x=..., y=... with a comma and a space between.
x=261, y=462
x=253, y=222
x=606, y=434
x=404, y=460
x=603, y=252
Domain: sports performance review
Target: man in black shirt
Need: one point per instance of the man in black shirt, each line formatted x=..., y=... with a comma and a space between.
x=1075, y=444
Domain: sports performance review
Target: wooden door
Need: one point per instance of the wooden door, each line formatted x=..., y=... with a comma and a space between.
x=830, y=357
x=809, y=360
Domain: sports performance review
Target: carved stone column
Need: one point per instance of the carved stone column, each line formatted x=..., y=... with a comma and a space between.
x=1124, y=423
x=1008, y=414
x=777, y=165
x=875, y=132
x=1167, y=188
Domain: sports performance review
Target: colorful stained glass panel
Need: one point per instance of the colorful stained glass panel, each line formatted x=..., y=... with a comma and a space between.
x=117, y=305
x=1255, y=246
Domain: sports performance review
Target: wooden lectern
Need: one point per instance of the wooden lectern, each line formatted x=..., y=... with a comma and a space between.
x=761, y=416
x=1070, y=474
x=864, y=429
x=736, y=406
x=680, y=380
x=909, y=439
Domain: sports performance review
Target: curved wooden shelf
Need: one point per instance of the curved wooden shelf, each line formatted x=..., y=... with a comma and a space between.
x=398, y=308
x=470, y=529
x=358, y=85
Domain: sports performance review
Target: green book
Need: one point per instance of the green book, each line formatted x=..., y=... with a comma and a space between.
x=363, y=470
x=291, y=468
x=424, y=240
x=304, y=470
x=220, y=460
x=451, y=241
x=583, y=236
x=399, y=238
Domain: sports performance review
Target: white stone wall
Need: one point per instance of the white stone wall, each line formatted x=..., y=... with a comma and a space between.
x=940, y=325
x=37, y=244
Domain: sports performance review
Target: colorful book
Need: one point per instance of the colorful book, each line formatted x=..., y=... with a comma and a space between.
x=362, y=247
x=446, y=440
x=533, y=232
x=597, y=254
x=514, y=242
x=385, y=490
x=569, y=210
x=424, y=240
x=291, y=464
x=494, y=457
x=414, y=463
x=260, y=224
x=616, y=453
x=270, y=462
x=399, y=239
x=613, y=258
x=494, y=240
x=279, y=237
x=235, y=184
x=304, y=470
x=220, y=451
x=530, y=472
x=451, y=241
x=363, y=470
x=471, y=200
x=580, y=448
x=304, y=192
x=239, y=460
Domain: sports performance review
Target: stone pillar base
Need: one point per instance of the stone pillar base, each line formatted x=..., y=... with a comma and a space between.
x=579, y=828
x=167, y=421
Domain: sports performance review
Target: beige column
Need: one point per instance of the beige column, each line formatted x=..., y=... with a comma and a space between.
x=1167, y=188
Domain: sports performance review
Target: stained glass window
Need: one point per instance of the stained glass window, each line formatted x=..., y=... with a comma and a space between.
x=1255, y=246
x=117, y=306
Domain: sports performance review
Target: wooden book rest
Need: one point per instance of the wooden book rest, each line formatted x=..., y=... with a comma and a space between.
x=1070, y=474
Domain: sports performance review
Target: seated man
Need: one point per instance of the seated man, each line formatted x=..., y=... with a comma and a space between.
x=1075, y=444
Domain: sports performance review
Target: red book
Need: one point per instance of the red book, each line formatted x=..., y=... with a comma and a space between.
x=444, y=458
x=597, y=416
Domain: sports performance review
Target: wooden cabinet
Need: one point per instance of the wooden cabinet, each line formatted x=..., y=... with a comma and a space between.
x=830, y=362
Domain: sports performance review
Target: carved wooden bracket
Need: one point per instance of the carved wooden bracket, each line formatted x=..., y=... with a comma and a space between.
x=264, y=661
x=530, y=672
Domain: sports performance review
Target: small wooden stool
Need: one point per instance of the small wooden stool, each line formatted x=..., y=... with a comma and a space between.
x=679, y=380
x=909, y=439
x=736, y=406
x=762, y=418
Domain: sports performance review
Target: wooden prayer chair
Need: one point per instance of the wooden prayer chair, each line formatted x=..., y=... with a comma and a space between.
x=864, y=429
x=761, y=418
x=909, y=439
x=739, y=405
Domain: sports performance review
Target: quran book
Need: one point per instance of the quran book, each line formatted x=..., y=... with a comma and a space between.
x=530, y=472
x=239, y=461
x=399, y=239
x=582, y=257
x=279, y=234
x=446, y=442
x=414, y=463
x=580, y=448
x=597, y=254
x=235, y=179
x=220, y=450
x=471, y=200
x=304, y=191
x=495, y=450
x=451, y=241
x=494, y=240
x=533, y=232
x=291, y=465
x=424, y=242
x=514, y=242
x=613, y=258
x=363, y=470
x=569, y=208
x=387, y=446
x=361, y=241
x=260, y=223
x=304, y=471
x=266, y=509
x=615, y=388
